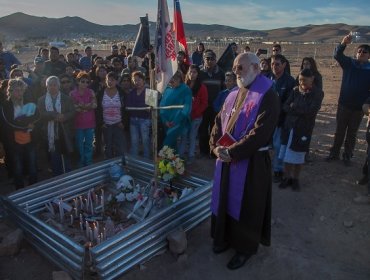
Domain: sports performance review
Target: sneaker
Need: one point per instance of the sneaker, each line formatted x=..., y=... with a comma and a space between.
x=295, y=185
x=278, y=177
x=363, y=199
x=363, y=181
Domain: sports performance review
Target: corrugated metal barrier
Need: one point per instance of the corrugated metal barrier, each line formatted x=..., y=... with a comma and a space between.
x=116, y=255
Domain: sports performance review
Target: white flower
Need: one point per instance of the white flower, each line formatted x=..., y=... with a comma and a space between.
x=181, y=170
x=121, y=197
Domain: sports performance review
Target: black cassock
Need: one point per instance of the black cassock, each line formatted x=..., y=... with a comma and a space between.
x=254, y=225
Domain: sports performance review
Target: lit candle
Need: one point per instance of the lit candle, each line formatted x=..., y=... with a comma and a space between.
x=96, y=233
x=81, y=220
x=86, y=205
x=76, y=213
x=104, y=234
x=81, y=227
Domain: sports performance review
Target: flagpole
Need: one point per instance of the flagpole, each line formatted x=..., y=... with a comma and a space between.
x=154, y=122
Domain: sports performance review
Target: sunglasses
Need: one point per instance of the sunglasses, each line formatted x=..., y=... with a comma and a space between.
x=237, y=68
x=362, y=51
x=210, y=58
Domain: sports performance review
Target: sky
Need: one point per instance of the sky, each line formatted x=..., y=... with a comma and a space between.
x=245, y=14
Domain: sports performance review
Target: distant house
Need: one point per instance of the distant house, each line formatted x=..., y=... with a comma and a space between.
x=57, y=44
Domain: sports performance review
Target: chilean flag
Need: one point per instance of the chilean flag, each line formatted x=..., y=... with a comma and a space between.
x=165, y=51
x=178, y=28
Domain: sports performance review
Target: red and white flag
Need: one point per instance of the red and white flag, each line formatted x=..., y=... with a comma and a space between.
x=164, y=47
x=178, y=27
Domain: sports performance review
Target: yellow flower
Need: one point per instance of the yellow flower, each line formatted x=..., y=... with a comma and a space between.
x=162, y=167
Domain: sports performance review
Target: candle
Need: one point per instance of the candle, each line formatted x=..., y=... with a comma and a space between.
x=90, y=257
x=91, y=237
x=104, y=234
x=102, y=203
x=71, y=219
x=61, y=212
x=51, y=209
x=81, y=203
x=86, y=205
x=87, y=229
x=88, y=199
x=81, y=226
x=81, y=220
x=92, y=208
x=76, y=213
x=96, y=233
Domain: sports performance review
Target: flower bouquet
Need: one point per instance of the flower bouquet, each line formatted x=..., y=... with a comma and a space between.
x=170, y=165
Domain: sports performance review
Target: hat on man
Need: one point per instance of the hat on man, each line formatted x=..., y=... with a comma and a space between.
x=38, y=59
x=114, y=47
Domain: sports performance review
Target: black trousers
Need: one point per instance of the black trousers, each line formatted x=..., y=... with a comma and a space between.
x=205, y=130
x=348, y=122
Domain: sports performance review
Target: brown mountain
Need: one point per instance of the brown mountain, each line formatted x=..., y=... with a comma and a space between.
x=23, y=26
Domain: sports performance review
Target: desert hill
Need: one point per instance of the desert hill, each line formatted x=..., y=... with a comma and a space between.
x=23, y=26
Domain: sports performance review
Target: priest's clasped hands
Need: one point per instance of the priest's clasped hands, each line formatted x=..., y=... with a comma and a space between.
x=222, y=153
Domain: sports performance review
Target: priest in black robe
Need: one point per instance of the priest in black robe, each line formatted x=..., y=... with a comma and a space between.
x=240, y=139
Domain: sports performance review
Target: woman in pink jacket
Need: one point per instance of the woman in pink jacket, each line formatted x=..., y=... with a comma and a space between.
x=85, y=105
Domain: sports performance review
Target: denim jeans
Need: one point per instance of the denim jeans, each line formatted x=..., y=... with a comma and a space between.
x=84, y=141
x=277, y=164
x=24, y=154
x=113, y=140
x=140, y=128
x=191, y=134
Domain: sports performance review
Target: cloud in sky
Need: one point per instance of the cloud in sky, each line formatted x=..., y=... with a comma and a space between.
x=243, y=14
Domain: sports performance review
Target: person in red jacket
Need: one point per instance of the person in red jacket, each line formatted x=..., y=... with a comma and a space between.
x=199, y=105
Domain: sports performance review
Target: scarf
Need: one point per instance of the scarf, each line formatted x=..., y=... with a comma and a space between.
x=52, y=131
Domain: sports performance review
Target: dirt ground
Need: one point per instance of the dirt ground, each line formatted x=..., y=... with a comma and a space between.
x=317, y=233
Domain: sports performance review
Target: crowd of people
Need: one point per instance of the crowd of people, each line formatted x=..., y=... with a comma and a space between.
x=76, y=105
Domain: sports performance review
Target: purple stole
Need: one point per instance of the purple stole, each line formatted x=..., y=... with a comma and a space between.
x=244, y=123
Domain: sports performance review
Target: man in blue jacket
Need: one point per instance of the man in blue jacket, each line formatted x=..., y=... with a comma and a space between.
x=355, y=89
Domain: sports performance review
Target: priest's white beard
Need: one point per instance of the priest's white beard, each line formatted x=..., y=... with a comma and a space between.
x=248, y=79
